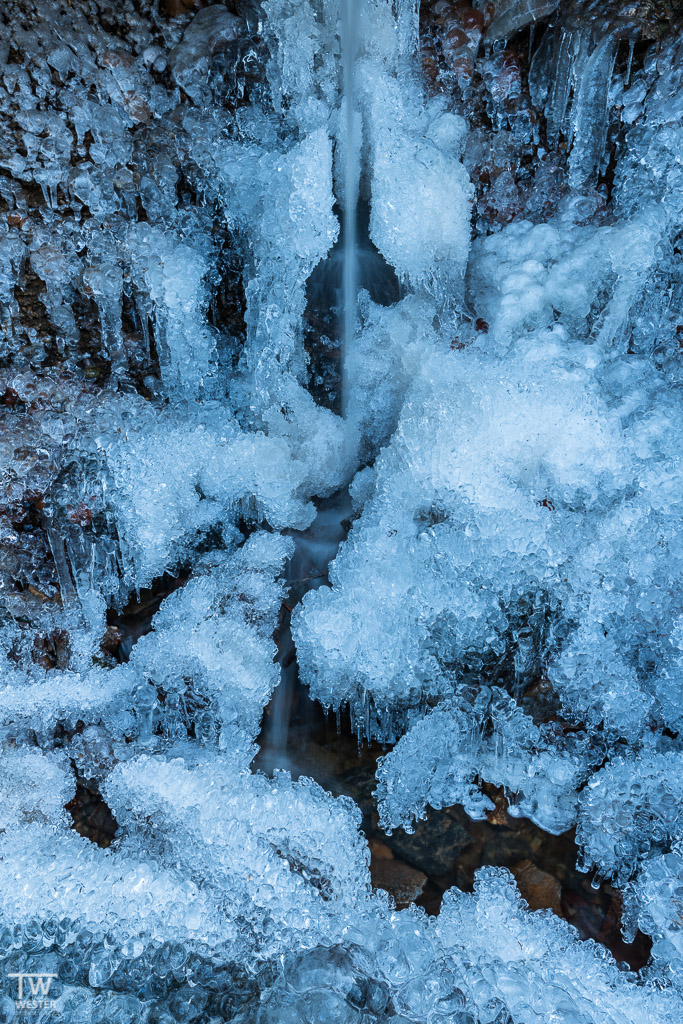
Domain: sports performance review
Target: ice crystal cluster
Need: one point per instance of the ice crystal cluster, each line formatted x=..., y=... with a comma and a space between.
x=506, y=609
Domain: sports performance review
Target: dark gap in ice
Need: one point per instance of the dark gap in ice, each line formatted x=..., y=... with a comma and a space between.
x=527, y=40
x=93, y=363
x=323, y=320
x=32, y=313
x=228, y=306
x=126, y=625
x=92, y=818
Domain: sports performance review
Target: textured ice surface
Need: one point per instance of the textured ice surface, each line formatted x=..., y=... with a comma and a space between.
x=380, y=365
x=35, y=787
x=173, y=295
x=507, y=606
x=506, y=493
x=523, y=522
x=419, y=190
x=237, y=832
x=424, y=231
x=653, y=904
x=206, y=669
x=537, y=967
x=211, y=650
x=209, y=33
x=176, y=478
x=483, y=735
x=629, y=808
x=135, y=897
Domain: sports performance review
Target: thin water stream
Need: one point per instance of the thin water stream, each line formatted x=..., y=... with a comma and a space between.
x=317, y=546
x=297, y=735
x=306, y=570
x=349, y=42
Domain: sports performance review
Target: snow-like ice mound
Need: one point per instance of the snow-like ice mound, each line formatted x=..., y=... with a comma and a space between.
x=485, y=735
x=509, y=492
x=507, y=605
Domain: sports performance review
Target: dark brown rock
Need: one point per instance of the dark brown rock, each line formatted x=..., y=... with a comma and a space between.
x=401, y=881
x=541, y=890
x=435, y=846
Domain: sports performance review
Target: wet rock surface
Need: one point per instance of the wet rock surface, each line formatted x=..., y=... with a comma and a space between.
x=403, y=883
x=447, y=848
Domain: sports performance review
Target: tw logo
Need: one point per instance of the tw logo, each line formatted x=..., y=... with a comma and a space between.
x=39, y=987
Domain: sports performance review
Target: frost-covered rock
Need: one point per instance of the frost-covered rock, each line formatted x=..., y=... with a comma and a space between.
x=501, y=504
x=34, y=787
x=161, y=507
x=538, y=968
x=237, y=832
x=205, y=669
x=423, y=232
x=483, y=736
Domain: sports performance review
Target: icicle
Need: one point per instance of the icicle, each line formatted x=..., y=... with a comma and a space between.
x=61, y=560
x=589, y=109
x=540, y=74
x=559, y=96
x=514, y=15
x=144, y=322
x=631, y=48
x=407, y=24
x=105, y=284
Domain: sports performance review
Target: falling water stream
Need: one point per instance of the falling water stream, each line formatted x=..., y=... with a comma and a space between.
x=306, y=570
x=316, y=547
x=296, y=734
x=349, y=24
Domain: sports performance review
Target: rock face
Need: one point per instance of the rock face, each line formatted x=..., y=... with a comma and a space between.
x=541, y=890
x=211, y=31
x=403, y=883
x=480, y=560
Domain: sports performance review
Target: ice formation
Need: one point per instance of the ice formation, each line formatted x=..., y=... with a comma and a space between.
x=483, y=735
x=506, y=607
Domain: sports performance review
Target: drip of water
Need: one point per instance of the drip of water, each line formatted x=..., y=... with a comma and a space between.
x=349, y=42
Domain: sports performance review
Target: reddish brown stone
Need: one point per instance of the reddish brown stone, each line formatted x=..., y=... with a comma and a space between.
x=541, y=890
x=499, y=815
x=81, y=515
x=471, y=19
x=401, y=881
x=380, y=850
x=51, y=651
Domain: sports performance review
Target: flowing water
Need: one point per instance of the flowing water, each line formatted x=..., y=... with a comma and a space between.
x=306, y=570
x=349, y=25
x=317, y=546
